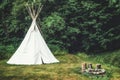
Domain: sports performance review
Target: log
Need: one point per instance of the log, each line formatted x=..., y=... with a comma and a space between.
x=84, y=67
x=98, y=66
x=90, y=66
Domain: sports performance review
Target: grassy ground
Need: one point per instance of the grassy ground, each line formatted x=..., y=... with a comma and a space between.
x=67, y=69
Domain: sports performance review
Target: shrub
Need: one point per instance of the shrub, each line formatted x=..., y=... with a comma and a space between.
x=6, y=51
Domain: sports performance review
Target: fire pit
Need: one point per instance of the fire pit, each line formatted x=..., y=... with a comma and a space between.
x=97, y=71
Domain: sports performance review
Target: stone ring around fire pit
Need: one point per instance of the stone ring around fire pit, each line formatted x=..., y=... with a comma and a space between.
x=95, y=71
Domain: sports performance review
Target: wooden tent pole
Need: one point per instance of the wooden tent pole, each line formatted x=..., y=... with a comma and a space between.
x=30, y=12
x=39, y=10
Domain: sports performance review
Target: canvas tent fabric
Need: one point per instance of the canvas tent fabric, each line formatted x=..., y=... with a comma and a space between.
x=33, y=50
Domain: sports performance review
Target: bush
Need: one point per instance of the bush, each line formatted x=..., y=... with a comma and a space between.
x=53, y=28
x=6, y=51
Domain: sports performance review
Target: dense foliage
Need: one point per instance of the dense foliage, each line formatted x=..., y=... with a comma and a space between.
x=73, y=25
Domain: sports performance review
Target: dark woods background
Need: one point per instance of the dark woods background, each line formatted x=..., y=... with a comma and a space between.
x=90, y=26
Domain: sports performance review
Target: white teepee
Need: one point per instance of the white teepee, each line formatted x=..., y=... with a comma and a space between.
x=33, y=49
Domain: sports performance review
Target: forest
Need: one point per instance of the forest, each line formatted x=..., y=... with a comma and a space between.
x=90, y=26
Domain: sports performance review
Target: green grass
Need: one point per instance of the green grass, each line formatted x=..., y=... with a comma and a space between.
x=68, y=69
